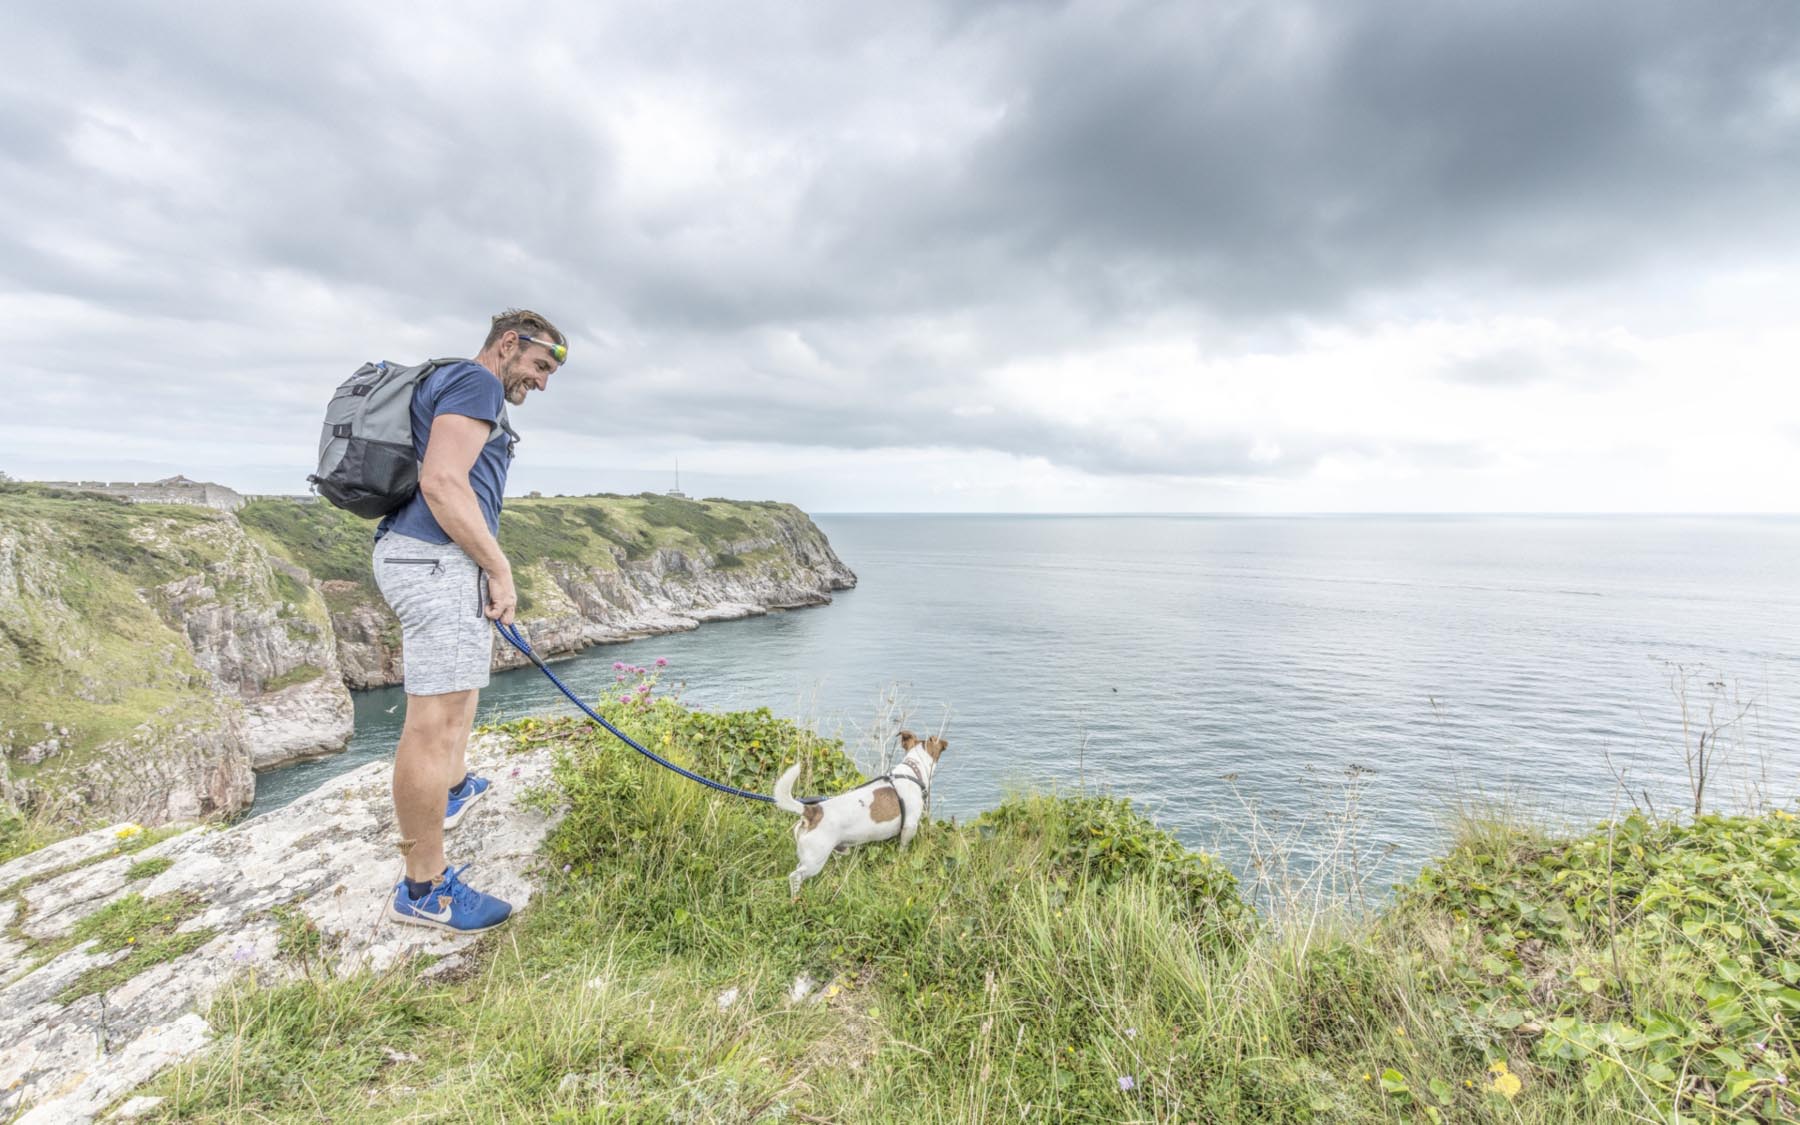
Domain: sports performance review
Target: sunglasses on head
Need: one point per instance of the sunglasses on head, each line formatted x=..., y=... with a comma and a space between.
x=560, y=351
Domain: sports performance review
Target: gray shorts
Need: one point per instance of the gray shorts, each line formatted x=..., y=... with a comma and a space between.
x=439, y=595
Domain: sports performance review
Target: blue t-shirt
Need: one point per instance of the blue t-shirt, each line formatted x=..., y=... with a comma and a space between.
x=466, y=388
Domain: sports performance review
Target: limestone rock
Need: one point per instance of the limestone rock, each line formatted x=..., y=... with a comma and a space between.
x=75, y=849
x=330, y=859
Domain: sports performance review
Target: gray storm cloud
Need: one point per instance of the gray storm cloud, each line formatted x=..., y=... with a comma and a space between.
x=206, y=202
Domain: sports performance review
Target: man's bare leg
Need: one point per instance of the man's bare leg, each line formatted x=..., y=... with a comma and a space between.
x=435, y=734
x=459, y=760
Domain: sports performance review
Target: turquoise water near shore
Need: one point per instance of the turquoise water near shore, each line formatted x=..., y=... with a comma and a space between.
x=1214, y=666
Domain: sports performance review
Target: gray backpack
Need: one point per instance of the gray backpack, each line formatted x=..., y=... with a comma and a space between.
x=367, y=464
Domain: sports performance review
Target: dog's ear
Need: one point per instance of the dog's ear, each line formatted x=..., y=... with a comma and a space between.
x=907, y=738
x=935, y=746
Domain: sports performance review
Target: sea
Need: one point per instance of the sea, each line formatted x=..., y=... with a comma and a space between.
x=1317, y=700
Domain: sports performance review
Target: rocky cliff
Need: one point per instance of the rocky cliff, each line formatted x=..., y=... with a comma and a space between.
x=152, y=657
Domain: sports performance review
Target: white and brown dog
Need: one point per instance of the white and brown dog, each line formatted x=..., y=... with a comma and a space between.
x=876, y=810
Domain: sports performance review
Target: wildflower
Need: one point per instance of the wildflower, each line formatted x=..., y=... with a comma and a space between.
x=662, y=662
x=624, y=699
x=1505, y=1082
x=618, y=665
x=1365, y=1076
x=130, y=941
x=1131, y=1033
x=242, y=953
x=567, y=867
x=1400, y=1031
x=1127, y=1083
x=619, y=679
x=1759, y=1046
x=127, y=831
x=515, y=772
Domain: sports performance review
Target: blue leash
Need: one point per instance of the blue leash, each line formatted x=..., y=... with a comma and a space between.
x=517, y=640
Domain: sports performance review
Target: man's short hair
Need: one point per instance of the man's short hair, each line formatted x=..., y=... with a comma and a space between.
x=525, y=323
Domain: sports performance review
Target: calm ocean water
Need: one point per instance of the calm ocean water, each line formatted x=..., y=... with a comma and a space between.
x=1210, y=666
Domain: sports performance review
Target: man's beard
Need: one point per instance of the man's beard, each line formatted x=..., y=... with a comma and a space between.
x=517, y=384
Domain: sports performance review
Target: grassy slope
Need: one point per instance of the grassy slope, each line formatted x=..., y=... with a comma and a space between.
x=95, y=658
x=584, y=530
x=1033, y=962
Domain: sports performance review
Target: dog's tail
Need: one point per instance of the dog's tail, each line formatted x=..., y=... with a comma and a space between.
x=784, y=791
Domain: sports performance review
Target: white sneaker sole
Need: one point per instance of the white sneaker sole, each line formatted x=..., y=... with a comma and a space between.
x=394, y=913
x=452, y=821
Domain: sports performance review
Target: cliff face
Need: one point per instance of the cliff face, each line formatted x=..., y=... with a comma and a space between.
x=150, y=658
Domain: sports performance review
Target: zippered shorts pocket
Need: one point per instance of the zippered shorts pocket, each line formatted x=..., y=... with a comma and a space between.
x=436, y=565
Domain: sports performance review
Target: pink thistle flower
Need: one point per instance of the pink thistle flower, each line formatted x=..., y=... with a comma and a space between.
x=624, y=699
x=618, y=665
x=662, y=662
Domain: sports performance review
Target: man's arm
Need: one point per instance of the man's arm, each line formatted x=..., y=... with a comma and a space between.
x=450, y=453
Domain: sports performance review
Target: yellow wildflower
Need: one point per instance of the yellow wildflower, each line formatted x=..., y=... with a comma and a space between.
x=127, y=831
x=1400, y=1031
x=1505, y=1083
x=1365, y=1076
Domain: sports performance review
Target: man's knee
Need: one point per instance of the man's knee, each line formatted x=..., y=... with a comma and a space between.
x=437, y=718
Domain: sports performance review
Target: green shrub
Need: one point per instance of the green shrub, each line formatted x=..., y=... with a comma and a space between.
x=1659, y=956
x=1104, y=840
x=692, y=516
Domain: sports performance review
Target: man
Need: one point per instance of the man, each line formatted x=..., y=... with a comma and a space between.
x=440, y=567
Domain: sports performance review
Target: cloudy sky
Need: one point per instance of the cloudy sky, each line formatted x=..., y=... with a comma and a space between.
x=1268, y=255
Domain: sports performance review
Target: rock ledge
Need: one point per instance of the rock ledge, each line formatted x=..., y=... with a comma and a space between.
x=330, y=856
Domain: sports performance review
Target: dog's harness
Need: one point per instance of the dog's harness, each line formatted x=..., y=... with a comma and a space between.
x=912, y=775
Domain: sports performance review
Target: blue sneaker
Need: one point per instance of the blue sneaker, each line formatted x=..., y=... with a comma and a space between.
x=450, y=904
x=471, y=790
